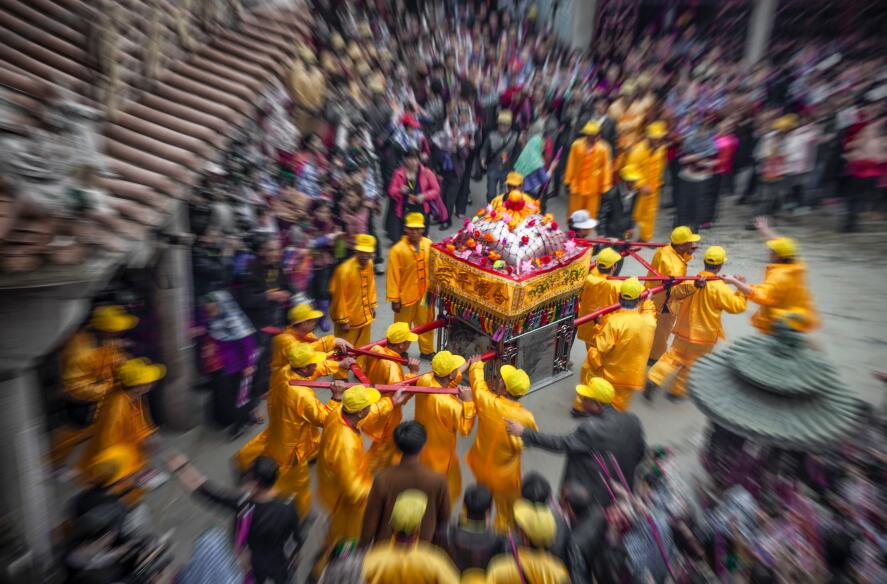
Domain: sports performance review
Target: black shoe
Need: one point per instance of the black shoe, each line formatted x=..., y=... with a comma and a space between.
x=426, y=356
x=650, y=391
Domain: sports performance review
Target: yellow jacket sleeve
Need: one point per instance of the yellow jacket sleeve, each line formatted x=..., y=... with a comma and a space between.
x=483, y=397
x=312, y=410
x=375, y=421
x=393, y=275
x=765, y=293
x=355, y=487
x=731, y=301
x=572, y=163
x=683, y=290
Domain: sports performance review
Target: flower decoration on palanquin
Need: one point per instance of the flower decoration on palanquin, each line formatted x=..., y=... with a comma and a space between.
x=524, y=240
x=493, y=256
x=515, y=201
x=470, y=244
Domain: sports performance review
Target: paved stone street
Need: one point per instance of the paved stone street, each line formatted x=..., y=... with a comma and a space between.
x=848, y=279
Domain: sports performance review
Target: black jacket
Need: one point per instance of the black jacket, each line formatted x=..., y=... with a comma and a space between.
x=619, y=433
x=615, y=216
x=210, y=270
x=608, y=132
x=251, y=288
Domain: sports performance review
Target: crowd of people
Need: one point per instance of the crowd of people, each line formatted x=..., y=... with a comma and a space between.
x=387, y=122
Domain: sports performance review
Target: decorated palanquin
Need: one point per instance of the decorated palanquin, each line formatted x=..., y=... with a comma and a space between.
x=512, y=275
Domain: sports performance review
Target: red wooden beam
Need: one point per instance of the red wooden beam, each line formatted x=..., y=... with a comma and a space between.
x=613, y=308
x=384, y=388
x=375, y=355
x=434, y=324
x=484, y=357
x=620, y=242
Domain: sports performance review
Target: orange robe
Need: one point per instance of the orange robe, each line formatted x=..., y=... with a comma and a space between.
x=589, y=174
x=383, y=453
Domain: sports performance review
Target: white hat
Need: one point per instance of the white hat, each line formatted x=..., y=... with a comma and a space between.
x=581, y=220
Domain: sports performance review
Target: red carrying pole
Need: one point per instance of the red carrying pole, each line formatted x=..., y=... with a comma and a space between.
x=620, y=242
x=484, y=357
x=643, y=262
x=434, y=324
x=613, y=308
x=375, y=355
x=661, y=278
x=384, y=388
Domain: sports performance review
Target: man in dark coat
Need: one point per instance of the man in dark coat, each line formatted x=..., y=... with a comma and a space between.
x=616, y=214
x=605, y=432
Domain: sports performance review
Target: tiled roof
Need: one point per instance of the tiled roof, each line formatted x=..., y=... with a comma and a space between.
x=170, y=80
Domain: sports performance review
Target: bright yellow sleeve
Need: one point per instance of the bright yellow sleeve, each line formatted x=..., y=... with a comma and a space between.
x=683, y=290
x=311, y=409
x=731, y=301
x=355, y=487
x=765, y=292
x=392, y=276
x=328, y=367
x=570, y=171
x=483, y=397
x=376, y=418
x=325, y=344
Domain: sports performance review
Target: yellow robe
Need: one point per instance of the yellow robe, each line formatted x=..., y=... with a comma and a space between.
x=416, y=563
x=343, y=478
x=784, y=287
x=494, y=458
x=667, y=262
x=353, y=293
x=588, y=175
x=87, y=375
x=407, y=282
x=697, y=330
x=122, y=419
x=539, y=566
x=620, y=352
x=597, y=292
x=383, y=453
x=651, y=163
x=444, y=418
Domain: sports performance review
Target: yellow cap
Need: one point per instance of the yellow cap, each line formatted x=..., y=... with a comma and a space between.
x=504, y=117
x=514, y=179
x=474, y=575
x=607, y=257
x=785, y=123
x=784, y=247
x=517, y=382
x=408, y=511
x=302, y=355
x=657, y=129
x=631, y=289
x=598, y=389
x=715, y=255
x=111, y=318
x=591, y=128
x=445, y=363
x=630, y=173
x=359, y=397
x=414, y=221
x=400, y=332
x=141, y=371
x=683, y=234
x=302, y=312
x=365, y=243
x=536, y=521
x=113, y=464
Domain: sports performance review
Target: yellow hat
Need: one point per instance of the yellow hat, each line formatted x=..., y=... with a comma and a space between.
x=474, y=575
x=536, y=521
x=657, y=129
x=591, y=128
x=607, y=257
x=111, y=318
x=408, y=511
x=138, y=372
x=504, y=117
x=514, y=179
x=336, y=41
x=359, y=397
x=517, y=382
x=784, y=247
x=715, y=255
x=683, y=234
x=445, y=363
x=113, y=464
x=302, y=355
x=785, y=123
x=302, y=312
x=414, y=221
x=631, y=289
x=630, y=173
x=598, y=389
x=400, y=332
x=365, y=243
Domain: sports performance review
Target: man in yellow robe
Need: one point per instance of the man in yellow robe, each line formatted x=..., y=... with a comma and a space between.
x=649, y=156
x=405, y=558
x=444, y=418
x=123, y=418
x=670, y=260
x=407, y=280
x=343, y=471
x=513, y=183
x=784, y=291
x=698, y=327
x=536, y=529
x=295, y=417
x=302, y=323
x=89, y=360
x=589, y=172
x=621, y=348
x=383, y=452
x=494, y=458
x=353, y=293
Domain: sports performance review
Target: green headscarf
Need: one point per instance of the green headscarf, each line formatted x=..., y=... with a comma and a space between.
x=530, y=159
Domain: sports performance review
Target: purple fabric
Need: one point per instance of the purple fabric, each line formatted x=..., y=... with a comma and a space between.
x=237, y=355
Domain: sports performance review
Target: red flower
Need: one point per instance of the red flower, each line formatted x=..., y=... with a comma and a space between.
x=545, y=259
x=476, y=233
x=531, y=223
x=493, y=215
x=524, y=240
x=571, y=234
x=554, y=225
